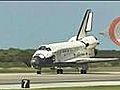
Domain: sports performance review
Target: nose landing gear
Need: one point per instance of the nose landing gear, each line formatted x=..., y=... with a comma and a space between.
x=39, y=71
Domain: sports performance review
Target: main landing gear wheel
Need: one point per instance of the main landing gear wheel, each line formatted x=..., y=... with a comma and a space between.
x=59, y=71
x=84, y=68
x=83, y=71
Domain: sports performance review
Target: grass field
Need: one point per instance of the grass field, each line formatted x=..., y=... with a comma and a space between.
x=78, y=88
x=17, y=70
x=85, y=88
x=47, y=70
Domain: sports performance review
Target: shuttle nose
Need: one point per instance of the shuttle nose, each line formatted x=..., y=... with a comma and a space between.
x=41, y=56
x=40, y=60
x=37, y=62
x=34, y=62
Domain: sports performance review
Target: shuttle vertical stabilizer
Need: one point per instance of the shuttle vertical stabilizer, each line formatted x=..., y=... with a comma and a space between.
x=86, y=24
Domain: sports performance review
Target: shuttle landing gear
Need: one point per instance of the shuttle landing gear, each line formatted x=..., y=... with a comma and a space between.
x=84, y=69
x=38, y=72
x=59, y=71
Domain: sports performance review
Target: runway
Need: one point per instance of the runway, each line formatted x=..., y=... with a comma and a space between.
x=13, y=80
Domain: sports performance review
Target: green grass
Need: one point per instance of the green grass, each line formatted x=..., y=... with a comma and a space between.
x=85, y=88
x=105, y=69
x=77, y=88
x=16, y=70
x=11, y=64
x=47, y=70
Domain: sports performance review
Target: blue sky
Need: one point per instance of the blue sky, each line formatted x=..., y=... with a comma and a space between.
x=30, y=24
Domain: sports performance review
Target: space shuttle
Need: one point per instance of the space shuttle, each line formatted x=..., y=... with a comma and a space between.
x=78, y=51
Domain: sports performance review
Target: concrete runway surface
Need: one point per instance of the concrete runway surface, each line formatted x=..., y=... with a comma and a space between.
x=13, y=80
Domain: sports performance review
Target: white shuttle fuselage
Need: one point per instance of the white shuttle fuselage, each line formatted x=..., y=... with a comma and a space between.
x=77, y=51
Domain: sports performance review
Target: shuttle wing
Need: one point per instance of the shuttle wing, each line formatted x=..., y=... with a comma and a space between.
x=91, y=60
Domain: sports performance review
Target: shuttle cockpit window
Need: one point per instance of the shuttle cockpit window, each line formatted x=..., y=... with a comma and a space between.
x=48, y=49
x=44, y=48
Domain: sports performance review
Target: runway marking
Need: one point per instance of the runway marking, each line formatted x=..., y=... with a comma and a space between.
x=57, y=85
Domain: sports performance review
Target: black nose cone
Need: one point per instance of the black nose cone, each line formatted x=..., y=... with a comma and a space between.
x=37, y=62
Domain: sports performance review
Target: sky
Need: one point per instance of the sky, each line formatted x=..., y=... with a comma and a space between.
x=27, y=25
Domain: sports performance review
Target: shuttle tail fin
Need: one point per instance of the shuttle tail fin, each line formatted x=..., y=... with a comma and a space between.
x=86, y=24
